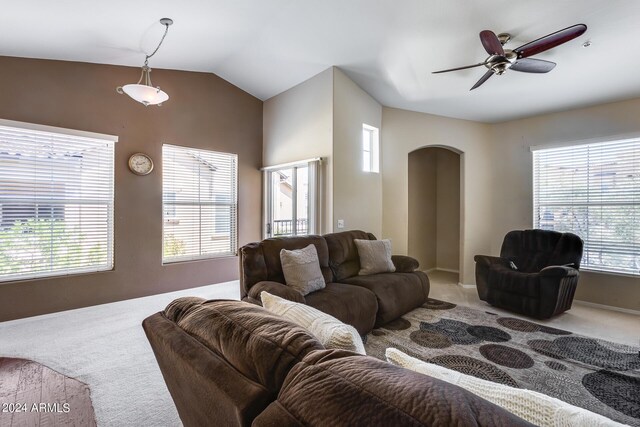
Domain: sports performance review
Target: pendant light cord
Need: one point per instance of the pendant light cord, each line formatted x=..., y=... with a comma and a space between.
x=146, y=59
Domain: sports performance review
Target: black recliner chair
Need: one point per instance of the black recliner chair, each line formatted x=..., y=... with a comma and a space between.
x=535, y=275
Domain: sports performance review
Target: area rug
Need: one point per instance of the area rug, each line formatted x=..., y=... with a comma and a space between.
x=33, y=394
x=601, y=376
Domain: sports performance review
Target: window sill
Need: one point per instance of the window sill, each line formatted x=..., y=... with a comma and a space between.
x=610, y=273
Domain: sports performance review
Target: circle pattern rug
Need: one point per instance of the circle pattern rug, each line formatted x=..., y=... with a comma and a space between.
x=598, y=375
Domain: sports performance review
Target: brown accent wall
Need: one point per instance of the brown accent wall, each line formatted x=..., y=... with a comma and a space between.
x=204, y=111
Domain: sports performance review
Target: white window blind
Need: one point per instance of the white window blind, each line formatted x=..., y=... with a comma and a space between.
x=56, y=201
x=199, y=204
x=593, y=191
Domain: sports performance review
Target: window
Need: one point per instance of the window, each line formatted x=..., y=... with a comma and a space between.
x=56, y=201
x=291, y=199
x=370, y=149
x=199, y=198
x=593, y=191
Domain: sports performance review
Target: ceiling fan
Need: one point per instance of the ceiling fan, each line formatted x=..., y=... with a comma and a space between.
x=501, y=60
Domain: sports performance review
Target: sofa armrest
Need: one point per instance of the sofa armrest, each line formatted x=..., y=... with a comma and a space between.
x=558, y=271
x=278, y=289
x=405, y=264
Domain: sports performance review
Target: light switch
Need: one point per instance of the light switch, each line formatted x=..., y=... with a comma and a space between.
x=341, y=223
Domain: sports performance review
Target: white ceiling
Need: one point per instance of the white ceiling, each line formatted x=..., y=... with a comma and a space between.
x=388, y=47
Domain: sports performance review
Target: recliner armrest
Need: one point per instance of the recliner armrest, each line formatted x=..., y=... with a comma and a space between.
x=558, y=271
x=405, y=264
x=278, y=289
x=486, y=260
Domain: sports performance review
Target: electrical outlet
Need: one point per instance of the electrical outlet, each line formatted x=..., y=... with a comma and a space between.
x=341, y=223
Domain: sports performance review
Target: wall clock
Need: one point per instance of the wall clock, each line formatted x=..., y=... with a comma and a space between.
x=140, y=164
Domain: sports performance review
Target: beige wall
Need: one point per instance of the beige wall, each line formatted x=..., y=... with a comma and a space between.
x=422, y=208
x=298, y=125
x=357, y=195
x=447, y=210
x=434, y=208
x=204, y=112
x=512, y=180
x=405, y=131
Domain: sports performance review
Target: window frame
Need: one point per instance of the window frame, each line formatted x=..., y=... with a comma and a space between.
x=372, y=164
x=233, y=234
x=110, y=141
x=590, y=144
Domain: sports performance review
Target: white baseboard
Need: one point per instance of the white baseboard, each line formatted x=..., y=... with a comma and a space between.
x=466, y=285
x=448, y=270
x=607, y=307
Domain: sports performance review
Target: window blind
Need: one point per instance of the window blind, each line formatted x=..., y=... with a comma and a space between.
x=592, y=190
x=199, y=203
x=56, y=202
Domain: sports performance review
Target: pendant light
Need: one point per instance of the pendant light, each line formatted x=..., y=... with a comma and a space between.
x=143, y=91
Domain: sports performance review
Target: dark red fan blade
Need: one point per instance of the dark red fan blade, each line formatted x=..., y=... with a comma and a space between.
x=530, y=65
x=459, y=68
x=491, y=43
x=550, y=41
x=482, y=79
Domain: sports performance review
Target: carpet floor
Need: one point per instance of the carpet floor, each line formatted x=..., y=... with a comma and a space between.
x=598, y=375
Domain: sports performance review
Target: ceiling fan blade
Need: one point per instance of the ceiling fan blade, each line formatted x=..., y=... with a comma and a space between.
x=491, y=43
x=459, y=68
x=550, y=41
x=530, y=65
x=482, y=79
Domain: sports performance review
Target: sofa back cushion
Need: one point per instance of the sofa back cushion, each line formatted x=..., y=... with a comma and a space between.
x=333, y=387
x=261, y=260
x=343, y=254
x=533, y=250
x=261, y=346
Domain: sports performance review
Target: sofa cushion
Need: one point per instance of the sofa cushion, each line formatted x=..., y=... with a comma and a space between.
x=537, y=408
x=374, y=256
x=301, y=269
x=333, y=387
x=397, y=293
x=344, y=260
x=332, y=333
x=260, y=345
x=352, y=305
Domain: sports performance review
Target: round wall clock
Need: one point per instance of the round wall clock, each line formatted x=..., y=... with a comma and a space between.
x=140, y=164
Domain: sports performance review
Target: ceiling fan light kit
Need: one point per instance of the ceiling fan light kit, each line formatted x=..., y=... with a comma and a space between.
x=143, y=91
x=500, y=59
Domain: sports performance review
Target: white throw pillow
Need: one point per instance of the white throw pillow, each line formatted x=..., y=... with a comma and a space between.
x=331, y=332
x=301, y=269
x=537, y=408
x=375, y=256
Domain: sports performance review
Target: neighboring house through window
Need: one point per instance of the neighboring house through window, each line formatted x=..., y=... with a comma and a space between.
x=199, y=200
x=592, y=190
x=56, y=201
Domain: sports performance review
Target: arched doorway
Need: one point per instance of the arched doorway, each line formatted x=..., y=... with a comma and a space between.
x=434, y=208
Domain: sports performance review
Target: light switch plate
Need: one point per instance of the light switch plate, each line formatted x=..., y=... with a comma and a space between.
x=341, y=223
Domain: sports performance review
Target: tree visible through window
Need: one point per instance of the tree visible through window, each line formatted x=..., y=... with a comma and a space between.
x=56, y=201
x=199, y=203
x=593, y=191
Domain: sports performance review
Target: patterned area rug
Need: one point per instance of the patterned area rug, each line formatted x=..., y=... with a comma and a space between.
x=598, y=375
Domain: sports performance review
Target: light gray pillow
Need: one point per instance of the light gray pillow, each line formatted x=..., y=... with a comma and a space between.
x=331, y=332
x=375, y=256
x=301, y=269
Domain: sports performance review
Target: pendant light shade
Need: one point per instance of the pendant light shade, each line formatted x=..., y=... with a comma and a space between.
x=143, y=91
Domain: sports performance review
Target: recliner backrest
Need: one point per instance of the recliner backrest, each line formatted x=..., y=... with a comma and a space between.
x=343, y=253
x=260, y=261
x=533, y=250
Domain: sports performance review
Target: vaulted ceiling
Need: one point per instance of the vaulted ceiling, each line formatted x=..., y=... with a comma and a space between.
x=388, y=47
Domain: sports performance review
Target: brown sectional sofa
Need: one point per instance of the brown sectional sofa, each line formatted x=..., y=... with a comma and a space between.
x=231, y=363
x=361, y=301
